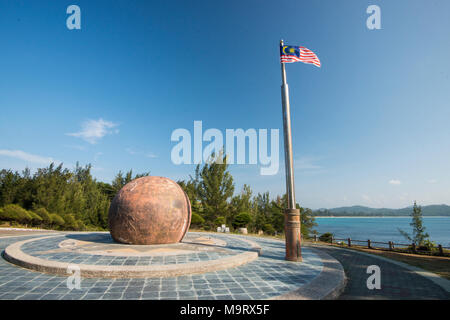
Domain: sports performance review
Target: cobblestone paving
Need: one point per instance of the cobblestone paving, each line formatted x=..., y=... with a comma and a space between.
x=268, y=276
x=396, y=282
x=41, y=248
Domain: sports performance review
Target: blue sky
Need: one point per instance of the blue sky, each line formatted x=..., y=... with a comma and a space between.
x=370, y=127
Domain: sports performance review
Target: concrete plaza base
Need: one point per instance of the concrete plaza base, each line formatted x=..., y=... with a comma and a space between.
x=327, y=286
x=101, y=245
x=202, y=266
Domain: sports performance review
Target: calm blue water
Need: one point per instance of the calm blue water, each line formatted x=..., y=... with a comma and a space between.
x=384, y=229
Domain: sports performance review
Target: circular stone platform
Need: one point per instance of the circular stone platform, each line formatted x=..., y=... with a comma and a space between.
x=97, y=255
x=203, y=266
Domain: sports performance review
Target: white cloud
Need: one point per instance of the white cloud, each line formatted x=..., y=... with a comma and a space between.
x=32, y=158
x=432, y=181
x=93, y=130
x=395, y=182
x=151, y=155
x=134, y=152
x=366, y=197
x=306, y=163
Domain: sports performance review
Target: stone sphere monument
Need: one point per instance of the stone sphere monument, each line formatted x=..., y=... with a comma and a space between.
x=149, y=210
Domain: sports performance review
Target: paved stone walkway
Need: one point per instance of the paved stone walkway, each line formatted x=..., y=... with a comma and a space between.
x=396, y=281
x=268, y=276
x=49, y=249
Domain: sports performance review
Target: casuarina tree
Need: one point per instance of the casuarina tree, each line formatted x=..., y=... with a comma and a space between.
x=419, y=235
x=216, y=187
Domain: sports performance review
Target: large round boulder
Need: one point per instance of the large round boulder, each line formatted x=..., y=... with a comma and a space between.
x=149, y=210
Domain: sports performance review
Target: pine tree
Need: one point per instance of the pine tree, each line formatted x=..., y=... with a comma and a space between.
x=215, y=188
x=261, y=214
x=419, y=235
x=120, y=180
x=191, y=187
x=241, y=203
x=307, y=221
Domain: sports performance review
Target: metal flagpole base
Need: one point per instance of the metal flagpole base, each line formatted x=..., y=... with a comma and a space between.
x=292, y=234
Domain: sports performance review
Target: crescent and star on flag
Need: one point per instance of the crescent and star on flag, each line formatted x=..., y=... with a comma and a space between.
x=290, y=54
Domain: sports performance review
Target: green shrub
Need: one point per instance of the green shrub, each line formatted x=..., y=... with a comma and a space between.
x=242, y=220
x=9, y=213
x=2, y=215
x=35, y=218
x=220, y=221
x=196, y=219
x=90, y=228
x=70, y=222
x=25, y=218
x=57, y=220
x=5, y=215
x=80, y=225
x=268, y=229
x=13, y=212
x=43, y=213
x=427, y=245
x=326, y=237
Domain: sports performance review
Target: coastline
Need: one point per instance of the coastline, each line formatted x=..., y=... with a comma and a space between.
x=378, y=217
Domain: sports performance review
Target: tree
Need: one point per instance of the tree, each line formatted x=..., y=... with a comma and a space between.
x=241, y=203
x=326, y=237
x=15, y=213
x=80, y=225
x=197, y=220
x=11, y=184
x=215, y=188
x=50, y=187
x=43, y=213
x=307, y=221
x=3, y=216
x=191, y=187
x=242, y=220
x=35, y=219
x=220, y=221
x=57, y=220
x=277, y=214
x=58, y=190
x=261, y=214
x=419, y=236
x=56, y=197
x=69, y=222
x=269, y=229
x=120, y=180
x=107, y=189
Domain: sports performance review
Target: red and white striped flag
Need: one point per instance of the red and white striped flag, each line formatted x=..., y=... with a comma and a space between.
x=290, y=54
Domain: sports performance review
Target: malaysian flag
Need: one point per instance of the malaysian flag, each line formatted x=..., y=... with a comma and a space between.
x=290, y=54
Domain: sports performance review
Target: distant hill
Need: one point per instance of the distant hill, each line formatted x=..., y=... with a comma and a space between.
x=361, y=211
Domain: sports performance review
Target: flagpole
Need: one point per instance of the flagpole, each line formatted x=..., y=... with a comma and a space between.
x=291, y=214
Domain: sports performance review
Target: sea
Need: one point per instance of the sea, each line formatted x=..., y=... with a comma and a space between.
x=383, y=229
